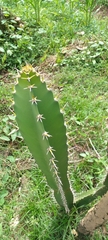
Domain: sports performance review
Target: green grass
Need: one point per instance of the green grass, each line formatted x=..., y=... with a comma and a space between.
x=86, y=112
x=80, y=81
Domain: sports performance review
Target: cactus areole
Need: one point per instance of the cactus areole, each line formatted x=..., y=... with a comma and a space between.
x=42, y=126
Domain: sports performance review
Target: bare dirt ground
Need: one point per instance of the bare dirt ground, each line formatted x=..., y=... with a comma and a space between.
x=96, y=217
x=101, y=11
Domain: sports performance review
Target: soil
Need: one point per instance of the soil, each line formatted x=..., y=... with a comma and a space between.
x=101, y=11
x=95, y=217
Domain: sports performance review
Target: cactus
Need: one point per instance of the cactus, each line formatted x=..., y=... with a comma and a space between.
x=87, y=197
x=42, y=126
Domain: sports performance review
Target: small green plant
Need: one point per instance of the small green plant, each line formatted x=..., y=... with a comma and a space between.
x=17, y=37
x=8, y=130
x=89, y=5
x=36, y=6
x=103, y=2
x=4, y=175
x=91, y=55
x=42, y=126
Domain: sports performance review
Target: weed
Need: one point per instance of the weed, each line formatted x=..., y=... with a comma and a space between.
x=88, y=7
x=102, y=2
x=91, y=55
x=36, y=5
x=14, y=41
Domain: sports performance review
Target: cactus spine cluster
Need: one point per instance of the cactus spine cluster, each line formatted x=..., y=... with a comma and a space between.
x=42, y=127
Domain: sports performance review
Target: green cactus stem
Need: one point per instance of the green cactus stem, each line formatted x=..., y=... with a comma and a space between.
x=85, y=198
x=42, y=126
